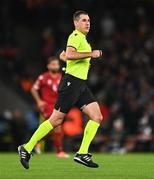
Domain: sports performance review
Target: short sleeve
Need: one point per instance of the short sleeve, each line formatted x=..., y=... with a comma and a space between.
x=38, y=83
x=73, y=41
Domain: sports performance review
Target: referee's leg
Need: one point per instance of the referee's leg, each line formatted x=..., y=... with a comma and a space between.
x=54, y=120
x=92, y=110
x=25, y=150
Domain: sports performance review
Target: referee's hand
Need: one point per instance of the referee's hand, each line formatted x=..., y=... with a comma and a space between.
x=62, y=56
x=96, y=53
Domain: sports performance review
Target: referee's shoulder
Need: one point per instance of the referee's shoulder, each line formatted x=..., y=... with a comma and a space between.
x=74, y=34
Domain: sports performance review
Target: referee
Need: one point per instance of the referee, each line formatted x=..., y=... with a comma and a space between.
x=73, y=91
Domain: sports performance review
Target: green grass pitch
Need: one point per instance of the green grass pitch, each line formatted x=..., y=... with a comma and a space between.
x=49, y=166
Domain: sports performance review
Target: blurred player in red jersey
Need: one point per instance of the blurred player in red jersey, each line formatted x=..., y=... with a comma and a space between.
x=45, y=92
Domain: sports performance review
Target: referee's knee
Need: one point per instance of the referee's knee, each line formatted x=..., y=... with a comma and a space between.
x=56, y=122
x=98, y=118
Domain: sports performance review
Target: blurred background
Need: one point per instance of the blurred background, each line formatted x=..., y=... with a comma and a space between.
x=123, y=80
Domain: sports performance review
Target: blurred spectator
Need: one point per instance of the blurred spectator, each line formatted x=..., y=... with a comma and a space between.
x=48, y=48
x=32, y=121
x=18, y=128
x=117, y=136
x=5, y=131
x=26, y=84
x=107, y=25
x=144, y=137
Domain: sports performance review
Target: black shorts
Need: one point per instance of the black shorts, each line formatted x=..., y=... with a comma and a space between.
x=73, y=91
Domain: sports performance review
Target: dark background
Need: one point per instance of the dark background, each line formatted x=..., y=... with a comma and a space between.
x=122, y=81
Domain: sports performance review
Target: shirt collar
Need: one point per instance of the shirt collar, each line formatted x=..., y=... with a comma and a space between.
x=80, y=33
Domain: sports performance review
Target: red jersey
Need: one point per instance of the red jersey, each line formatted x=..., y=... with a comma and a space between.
x=48, y=87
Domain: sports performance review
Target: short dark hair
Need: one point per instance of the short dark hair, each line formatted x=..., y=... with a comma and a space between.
x=52, y=58
x=77, y=14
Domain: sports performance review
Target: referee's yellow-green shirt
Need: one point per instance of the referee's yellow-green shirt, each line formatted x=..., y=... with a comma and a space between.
x=78, y=68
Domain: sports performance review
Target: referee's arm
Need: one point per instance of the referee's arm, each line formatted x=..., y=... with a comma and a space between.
x=72, y=54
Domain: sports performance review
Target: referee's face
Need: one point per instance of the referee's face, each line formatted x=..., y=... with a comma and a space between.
x=83, y=23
